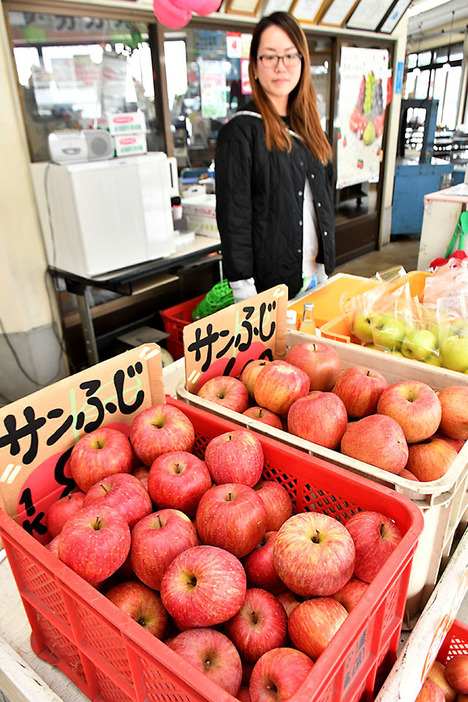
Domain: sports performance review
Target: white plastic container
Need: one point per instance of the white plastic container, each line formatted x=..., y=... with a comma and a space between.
x=444, y=502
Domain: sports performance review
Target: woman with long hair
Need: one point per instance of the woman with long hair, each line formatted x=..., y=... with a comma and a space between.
x=274, y=173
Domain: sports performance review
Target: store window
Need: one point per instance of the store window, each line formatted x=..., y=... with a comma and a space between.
x=437, y=75
x=74, y=71
x=207, y=82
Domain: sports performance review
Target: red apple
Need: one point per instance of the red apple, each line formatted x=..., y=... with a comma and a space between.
x=454, y=403
x=226, y=391
x=123, y=492
x=249, y=373
x=260, y=568
x=231, y=516
x=177, y=480
x=351, y=592
x=160, y=429
x=288, y=600
x=408, y=475
x=63, y=508
x=142, y=472
x=243, y=694
x=430, y=692
x=320, y=361
x=203, y=586
x=360, y=388
x=313, y=624
x=457, y=444
x=415, y=406
x=235, y=457
x=263, y=415
x=430, y=459
x=456, y=672
x=99, y=454
x=278, y=674
x=320, y=417
x=52, y=546
x=437, y=675
x=277, y=502
x=278, y=385
x=375, y=537
x=213, y=654
x=156, y=540
x=378, y=440
x=141, y=604
x=95, y=542
x=260, y=625
x=313, y=554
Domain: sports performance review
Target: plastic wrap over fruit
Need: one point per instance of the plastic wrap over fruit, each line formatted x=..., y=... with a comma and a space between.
x=426, y=322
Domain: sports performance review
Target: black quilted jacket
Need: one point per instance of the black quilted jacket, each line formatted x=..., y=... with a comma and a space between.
x=259, y=205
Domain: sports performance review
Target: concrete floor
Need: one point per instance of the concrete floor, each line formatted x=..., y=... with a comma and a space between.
x=401, y=252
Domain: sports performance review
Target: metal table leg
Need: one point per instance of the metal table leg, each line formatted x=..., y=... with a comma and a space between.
x=88, y=328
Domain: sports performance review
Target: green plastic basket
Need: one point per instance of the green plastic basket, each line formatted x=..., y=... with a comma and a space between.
x=217, y=298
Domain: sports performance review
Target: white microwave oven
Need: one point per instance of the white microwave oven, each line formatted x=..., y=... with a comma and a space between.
x=102, y=216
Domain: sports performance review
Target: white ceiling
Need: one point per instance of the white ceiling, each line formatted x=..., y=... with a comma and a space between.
x=434, y=21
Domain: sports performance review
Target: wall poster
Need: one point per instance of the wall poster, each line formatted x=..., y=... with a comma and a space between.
x=361, y=112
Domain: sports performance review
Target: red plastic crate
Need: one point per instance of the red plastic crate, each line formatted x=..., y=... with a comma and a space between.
x=174, y=320
x=455, y=643
x=109, y=657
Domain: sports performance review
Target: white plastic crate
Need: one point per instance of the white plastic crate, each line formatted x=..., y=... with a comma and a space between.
x=444, y=502
x=424, y=642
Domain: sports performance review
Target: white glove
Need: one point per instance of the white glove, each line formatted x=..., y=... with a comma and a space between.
x=242, y=289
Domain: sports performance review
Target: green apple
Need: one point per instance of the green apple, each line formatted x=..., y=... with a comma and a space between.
x=389, y=332
x=434, y=359
x=459, y=327
x=418, y=344
x=363, y=325
x=454, y=353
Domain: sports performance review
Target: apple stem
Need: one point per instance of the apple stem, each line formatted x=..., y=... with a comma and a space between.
x=158, y=517
x=316, y=537
x=229, y=499
x=177, y=468
x=254, y=617
x=97, y=524
x=382, y=529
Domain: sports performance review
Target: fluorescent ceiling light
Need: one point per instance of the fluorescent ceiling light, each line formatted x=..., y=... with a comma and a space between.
x=425, y=6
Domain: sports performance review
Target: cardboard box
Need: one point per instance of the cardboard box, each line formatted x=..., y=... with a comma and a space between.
x=126, y=122
x=200, y=212
x=130, y=144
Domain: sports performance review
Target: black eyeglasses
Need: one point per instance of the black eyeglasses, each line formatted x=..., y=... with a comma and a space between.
x=272, y=60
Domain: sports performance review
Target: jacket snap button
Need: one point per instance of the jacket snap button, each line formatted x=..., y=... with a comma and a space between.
x=319, y=204
x=325, y=233
x=300, y=193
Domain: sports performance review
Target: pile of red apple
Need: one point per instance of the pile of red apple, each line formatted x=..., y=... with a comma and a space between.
x=446, y=683
x=209, y=556
x=406, y=428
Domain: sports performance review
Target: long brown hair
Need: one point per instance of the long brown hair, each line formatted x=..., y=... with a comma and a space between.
x=302, y=101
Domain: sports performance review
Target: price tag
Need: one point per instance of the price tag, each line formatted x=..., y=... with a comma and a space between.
x=224, y=342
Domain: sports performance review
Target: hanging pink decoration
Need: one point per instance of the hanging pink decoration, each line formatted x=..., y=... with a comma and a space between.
x=201, y=7
x=170, y=15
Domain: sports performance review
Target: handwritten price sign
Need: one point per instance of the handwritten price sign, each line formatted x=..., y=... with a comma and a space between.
x=224, y=342
x=38, y=432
